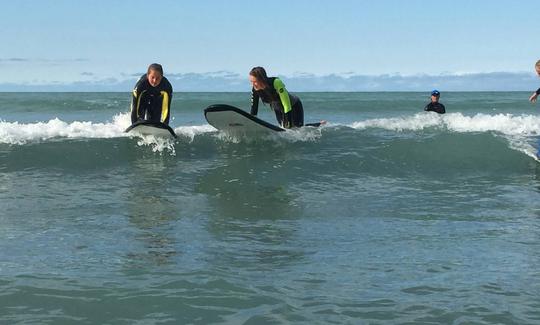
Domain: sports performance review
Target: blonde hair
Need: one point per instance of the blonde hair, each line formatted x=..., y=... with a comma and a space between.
x=537, y=65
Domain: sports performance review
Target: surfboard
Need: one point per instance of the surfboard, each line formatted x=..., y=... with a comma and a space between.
x=232, y=120
x=151, y=128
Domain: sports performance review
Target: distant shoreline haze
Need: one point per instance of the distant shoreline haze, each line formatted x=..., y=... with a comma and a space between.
x=223, y=81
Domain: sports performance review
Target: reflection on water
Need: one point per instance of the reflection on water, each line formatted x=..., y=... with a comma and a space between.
x=151, y=211
x=254, y=212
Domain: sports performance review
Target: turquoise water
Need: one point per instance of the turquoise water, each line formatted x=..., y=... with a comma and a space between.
x=386, y=215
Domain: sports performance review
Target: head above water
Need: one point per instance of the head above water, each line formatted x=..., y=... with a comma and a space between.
x=258, y=78
x=154, y=74
x=435, y=94
x=537, y=67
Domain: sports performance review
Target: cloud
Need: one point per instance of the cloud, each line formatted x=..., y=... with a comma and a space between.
x=14, y=60
x=43, y=60
x=298, y=82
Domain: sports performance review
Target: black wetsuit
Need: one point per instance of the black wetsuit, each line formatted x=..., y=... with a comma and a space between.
x=435, y=107
x=287, y=107
x=151, y=103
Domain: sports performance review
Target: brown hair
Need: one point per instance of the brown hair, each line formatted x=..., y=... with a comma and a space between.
x=156, y=67
x=260, y=74
x=537, y=66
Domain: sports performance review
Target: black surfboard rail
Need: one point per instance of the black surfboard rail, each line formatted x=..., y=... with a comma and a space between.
x=158, y=125
x=229, y=108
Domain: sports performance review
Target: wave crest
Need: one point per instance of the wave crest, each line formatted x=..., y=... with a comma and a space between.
x=508, y=124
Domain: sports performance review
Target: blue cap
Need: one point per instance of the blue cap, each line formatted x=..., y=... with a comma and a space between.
x=435, y=92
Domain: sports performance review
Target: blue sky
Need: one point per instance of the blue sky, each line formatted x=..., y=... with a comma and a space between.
x=59, y=41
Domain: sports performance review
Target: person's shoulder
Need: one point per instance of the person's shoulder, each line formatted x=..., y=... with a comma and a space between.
x=141, y=82
x=165, y=80
x=166, y=84
x=278, y=83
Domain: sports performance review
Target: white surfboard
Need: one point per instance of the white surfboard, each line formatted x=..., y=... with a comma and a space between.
x=235, y=121
x=151, y=128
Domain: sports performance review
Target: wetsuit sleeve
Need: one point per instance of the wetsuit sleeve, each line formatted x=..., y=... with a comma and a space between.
x=135, y=96
x=442, y=109
x=538, y=91
x=283, y=95
x=254, y=102
x=426, y=108
x=166, y=96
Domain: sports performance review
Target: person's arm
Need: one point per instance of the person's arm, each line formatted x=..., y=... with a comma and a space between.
x=533, y=97
x=254, y=102
x=441, y=109
x=135, y=99
x=287, y=118
x=427, y=108
x=283, y=95
x=166, y=96
x=279, y=86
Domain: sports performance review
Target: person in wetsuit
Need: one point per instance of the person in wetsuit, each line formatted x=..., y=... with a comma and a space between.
x=533, y=97
x=152, y=96
x=287, y=107
x=434, y=105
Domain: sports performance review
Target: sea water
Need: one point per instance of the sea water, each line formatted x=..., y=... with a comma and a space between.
x=385, y=215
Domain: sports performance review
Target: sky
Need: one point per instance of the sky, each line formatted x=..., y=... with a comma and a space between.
x=61, y=42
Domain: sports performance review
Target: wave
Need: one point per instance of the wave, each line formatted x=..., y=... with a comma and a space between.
x=520, y=131
x=15, y=133
x=526, y=125
x=508, y=124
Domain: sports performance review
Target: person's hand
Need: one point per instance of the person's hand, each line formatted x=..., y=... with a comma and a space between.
x=532, y=99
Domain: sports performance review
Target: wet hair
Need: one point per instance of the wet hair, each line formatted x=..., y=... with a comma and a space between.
x=537, y=65
x=156, y=67
x=260, y=74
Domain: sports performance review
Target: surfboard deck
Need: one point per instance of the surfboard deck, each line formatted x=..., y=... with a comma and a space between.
x=151, y=128
x=233, y=120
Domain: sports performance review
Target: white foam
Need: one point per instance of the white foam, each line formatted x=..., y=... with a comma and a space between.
x=526, y=125
x=15, y=133
x=305, y=134
x=18, y=133
x=192, y=131
x=157, y=144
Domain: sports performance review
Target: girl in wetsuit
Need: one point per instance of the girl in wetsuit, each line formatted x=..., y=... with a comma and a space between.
x=287, y=107
x=151, y=100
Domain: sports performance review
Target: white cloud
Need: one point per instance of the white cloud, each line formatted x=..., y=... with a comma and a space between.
x=230, y=81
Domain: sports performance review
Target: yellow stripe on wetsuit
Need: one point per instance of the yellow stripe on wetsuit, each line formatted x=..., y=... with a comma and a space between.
x=164, y=106
x=138, y=100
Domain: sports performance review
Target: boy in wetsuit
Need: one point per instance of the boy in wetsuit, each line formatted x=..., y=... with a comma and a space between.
x=435, y=106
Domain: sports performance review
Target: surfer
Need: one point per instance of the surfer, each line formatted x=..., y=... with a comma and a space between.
x=434, y=105
x=287, y=107
x=534, y=96
x=152, y=96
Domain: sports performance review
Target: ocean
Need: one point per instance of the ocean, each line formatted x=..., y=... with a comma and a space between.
x=385, y=215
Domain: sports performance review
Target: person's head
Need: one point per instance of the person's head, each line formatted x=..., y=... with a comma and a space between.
x=537, y=67
x=154, y=74
x=258, y=78
x=435, y=95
